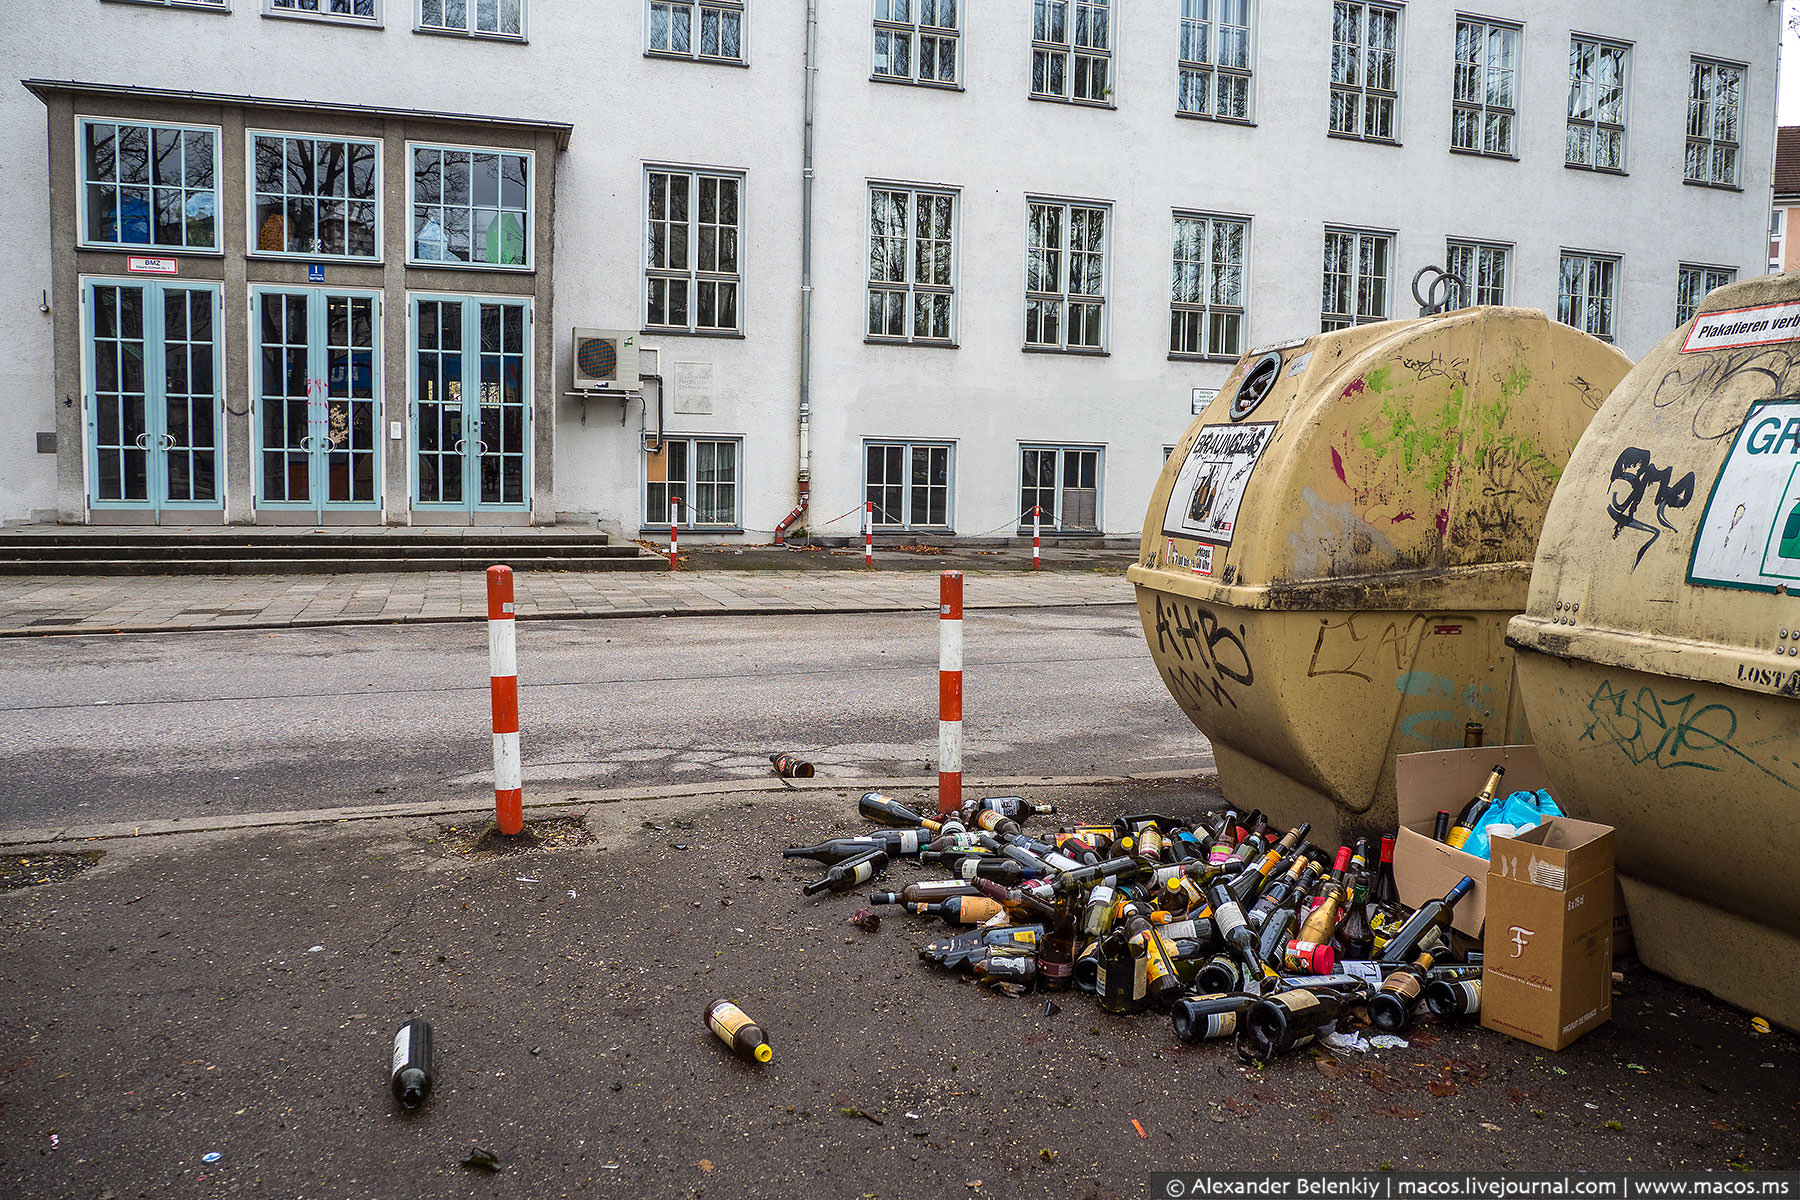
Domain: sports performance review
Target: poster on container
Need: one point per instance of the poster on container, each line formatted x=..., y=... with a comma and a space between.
x=1749, y=536
x=1210, y=486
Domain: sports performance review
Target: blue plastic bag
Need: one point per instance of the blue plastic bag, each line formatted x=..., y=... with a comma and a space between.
x=1510, y=817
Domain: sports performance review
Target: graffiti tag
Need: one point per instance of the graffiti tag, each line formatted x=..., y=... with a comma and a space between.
x=1212, y=655
x=1637, y=473
x=1456, y=370
x=1647, y=728
x=1355, y=644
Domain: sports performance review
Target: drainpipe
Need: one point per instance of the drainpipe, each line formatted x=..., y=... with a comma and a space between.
x=804, y=483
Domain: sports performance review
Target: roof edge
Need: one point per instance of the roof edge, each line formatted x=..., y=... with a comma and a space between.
x=45, y=88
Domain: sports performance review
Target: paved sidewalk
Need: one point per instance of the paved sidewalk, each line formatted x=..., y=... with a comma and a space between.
x=36, y=605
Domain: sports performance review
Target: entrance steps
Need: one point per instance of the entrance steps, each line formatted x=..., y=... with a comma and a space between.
x=215, y=550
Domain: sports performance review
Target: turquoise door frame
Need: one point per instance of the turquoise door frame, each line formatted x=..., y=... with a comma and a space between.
x=153, y=365
x=316, y=378
x=469, y=361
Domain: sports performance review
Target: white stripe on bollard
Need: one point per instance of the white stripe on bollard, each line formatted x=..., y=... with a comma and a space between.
x=503, y=688
x=868, y=533
x=1035, y=511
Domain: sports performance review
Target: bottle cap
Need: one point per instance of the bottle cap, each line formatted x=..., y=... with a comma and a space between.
x=764, y=1053
x=1460, y=890
x=1387, y=849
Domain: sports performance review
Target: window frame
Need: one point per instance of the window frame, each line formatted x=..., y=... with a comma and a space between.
x=1363, y=91
x=692, y=274
x=531, y=227
x=1594, y=125
x=1482, y=108
x=1777, y=237
x=1206, y=310
x=1063, y=449
x=688, y=484
x=274, y=8
x=1211, y=65
x=693, y=53
x=1478, y=246
x=907, y=447
x=1071, y=53
x=1695, y=63
x=251, y=232
x=1588, y=258
x=82, y=240
x=1062, y=297
x=218, y=6
x=1357, y=318
x=915, y=30
x=911, y=287
x=1682, y=269
x=527, y=304
x=469, y=31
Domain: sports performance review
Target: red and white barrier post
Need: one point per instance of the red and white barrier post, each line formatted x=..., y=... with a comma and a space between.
x=1035, y=510
x=868, y=533
x=503, y=668
x=950, y=690
x=674, y=535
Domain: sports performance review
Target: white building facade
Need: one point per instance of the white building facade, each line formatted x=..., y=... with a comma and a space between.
x=319, y=261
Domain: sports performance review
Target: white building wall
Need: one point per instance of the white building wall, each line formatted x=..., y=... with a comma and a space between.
x=584, y=64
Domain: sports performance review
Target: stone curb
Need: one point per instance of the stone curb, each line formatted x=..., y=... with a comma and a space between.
x=14, y=841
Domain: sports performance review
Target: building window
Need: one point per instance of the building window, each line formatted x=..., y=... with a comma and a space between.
x=908, y=483
x=1065, y=276
x=1715, y=90
x=1692, y=286
x=315, y=197
x=912, y=247
x=1483, y=271
x=1206, y=297
x=1365, y=70
x=1484, y=104
x=1063, y=484
x=1777, y=240
x=1071, y=50
x=708, y=29
x=1587, y=292
x=471, y=402
x=1597, y=79
x=1356, y=278
x=149, y=185
x=364, y=12
x=475, y=18
x=470, y=206
x=702, y=473
x=692, y=273
x=916, y=41
x=1215, y=59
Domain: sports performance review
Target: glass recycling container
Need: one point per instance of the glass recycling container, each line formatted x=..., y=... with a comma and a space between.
x=1659, y=652
x=1337, y=541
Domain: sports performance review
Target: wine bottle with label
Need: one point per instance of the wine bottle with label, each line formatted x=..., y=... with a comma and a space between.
x=842, y=876
x=1471, y=813
x=1386, y=894
x=735, y=1028
x=884, y=810
x=1391, y=1008
x=1287, y=1021
x=409, y=1070
x=1433, y=917
x=1454, y=999
x=1355, y=936
x=1206, y=1018
x=924, y=891
x=1235, y=932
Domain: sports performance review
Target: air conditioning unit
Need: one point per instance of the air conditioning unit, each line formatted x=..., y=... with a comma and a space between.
x=606, y=360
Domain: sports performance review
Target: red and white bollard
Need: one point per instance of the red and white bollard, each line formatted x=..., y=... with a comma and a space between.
x=674, y=535
x=1035, y=510
x=503, y=667
x=950, y=690
x=868, y=533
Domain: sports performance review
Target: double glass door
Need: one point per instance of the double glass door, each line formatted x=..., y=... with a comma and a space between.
x=153, y=370
x=318, y=389
x=471, y=403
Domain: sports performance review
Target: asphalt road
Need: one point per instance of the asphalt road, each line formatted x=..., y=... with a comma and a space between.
x=155, y=726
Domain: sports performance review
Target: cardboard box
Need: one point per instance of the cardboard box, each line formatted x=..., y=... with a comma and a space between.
x=1424, y=869
x=1547, y=973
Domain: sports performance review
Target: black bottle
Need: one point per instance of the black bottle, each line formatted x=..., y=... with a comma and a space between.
x=409, y=1074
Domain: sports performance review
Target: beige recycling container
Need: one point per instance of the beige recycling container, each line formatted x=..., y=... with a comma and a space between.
x=1336, y=544
x=1659, y=654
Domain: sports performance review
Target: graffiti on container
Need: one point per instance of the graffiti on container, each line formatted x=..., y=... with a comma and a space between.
x=1456, y=370
x=1589, y=395
x=1357, y=644
x=1514, y=477
x=1669, y=732
x=1417, y=727
x=1635, y=471
x=1424, y=683
x=1721, y=387
x=1211, y=654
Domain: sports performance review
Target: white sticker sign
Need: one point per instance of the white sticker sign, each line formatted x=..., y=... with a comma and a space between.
x=1210, y=486
x=1737, y=327
x=1750, y=534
